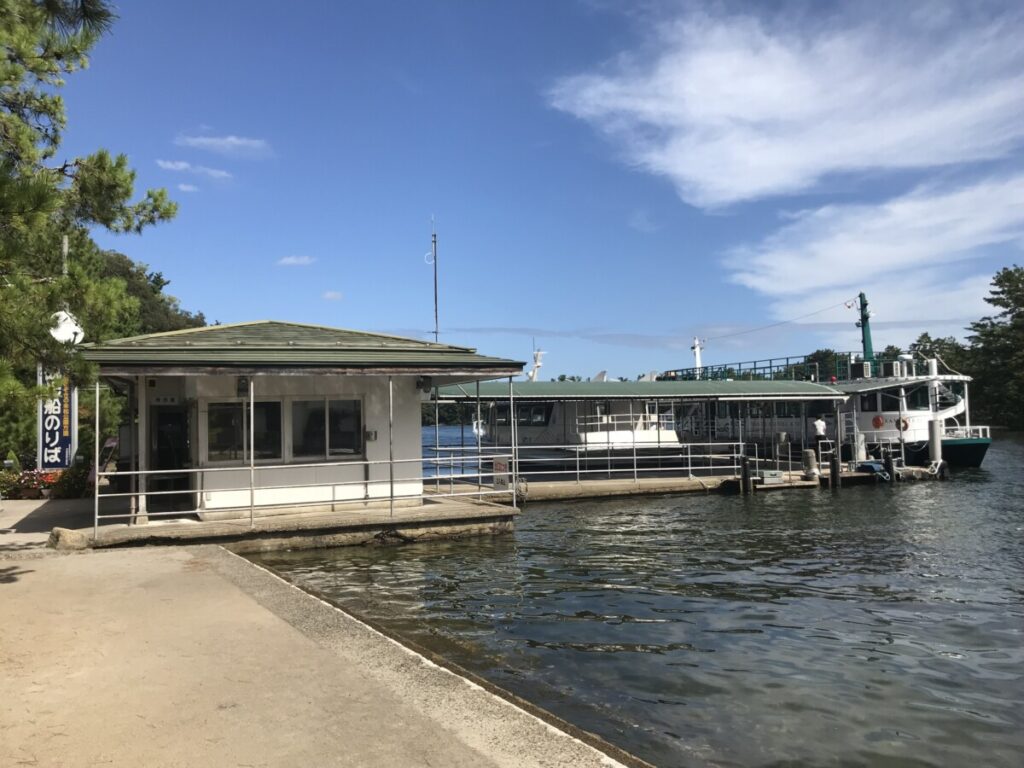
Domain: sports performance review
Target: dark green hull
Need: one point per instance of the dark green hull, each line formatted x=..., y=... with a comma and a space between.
x=956, y=451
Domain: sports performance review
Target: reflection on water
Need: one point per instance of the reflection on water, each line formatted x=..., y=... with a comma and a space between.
x=881, y=626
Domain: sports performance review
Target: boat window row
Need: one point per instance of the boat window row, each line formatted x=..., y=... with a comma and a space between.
x=534, y=415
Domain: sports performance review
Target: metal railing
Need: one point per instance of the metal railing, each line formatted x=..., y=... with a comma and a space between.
x=473, y=476
x=573, y=462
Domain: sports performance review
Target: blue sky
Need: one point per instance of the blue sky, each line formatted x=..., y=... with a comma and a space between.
x=608, y=179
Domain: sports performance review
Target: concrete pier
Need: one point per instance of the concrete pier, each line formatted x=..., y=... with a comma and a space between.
x=193, y=656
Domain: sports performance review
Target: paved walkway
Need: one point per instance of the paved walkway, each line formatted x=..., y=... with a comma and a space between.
x=195, y=657
x=25, y=525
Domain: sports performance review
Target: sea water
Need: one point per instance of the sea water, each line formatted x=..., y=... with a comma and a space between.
x=875, y=626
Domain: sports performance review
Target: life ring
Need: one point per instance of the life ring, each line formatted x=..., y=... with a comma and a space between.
x=904, y=425
x=878, y=422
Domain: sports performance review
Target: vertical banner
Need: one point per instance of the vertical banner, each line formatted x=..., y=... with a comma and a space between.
x=58, y=422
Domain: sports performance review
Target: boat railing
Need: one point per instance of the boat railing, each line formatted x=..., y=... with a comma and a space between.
x=980, y=432
x=842, y=366
x=624, y=422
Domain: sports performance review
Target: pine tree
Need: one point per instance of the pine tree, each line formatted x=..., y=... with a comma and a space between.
x=997, y=351
x=42, y=202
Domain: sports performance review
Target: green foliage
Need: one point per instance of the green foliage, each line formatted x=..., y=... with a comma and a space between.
x=997, y=351
x=8, y=483
x=952, y=353
x=73, y=483
x=449, y=414
x=15, y=461
x=43, y=42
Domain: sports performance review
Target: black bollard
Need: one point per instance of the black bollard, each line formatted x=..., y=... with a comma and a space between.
x=834, y=472
x=744, y=475
x=890, y=465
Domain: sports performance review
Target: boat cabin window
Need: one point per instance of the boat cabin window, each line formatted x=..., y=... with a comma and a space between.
x=918, y=399
x=890, y=401
x=534, y=415
x=869, y=402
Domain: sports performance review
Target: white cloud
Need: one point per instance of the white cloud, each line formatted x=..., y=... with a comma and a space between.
x=332, y=295
x=188, y=188
x=295, y=261
x=199, y=170
x=226, y=145
x=915, y=255
x=641, y=221
x=734, y=108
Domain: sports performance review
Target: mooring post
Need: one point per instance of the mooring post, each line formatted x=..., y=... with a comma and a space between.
x=890, y=465
x=835, y=472
x=744, y=475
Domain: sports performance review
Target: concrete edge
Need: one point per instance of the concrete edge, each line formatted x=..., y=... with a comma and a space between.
x=284, y=537
x=611, y=754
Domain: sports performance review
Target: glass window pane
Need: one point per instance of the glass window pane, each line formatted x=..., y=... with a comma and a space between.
x=345, y=427
x=267, y=432
x=309, y=429
x=224, y=432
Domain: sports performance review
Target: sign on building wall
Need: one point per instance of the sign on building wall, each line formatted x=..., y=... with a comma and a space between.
x=501, y=474
x=58, y=422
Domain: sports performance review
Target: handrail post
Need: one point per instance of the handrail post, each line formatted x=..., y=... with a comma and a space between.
x=437, y=443
x=96, y=465
x=632, y=432
x=252, y=452
x=479, y=450
x=391, y=446
x=514, y=433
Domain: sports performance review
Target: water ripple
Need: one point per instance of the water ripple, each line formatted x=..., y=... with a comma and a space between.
x=881, y=626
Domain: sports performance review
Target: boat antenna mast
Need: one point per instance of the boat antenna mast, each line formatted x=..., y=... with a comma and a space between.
x=538, y=355
x=698, y=345
x=865, y=328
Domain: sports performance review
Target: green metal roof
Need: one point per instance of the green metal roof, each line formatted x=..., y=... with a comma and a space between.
x=641, y=390
x=275, y=344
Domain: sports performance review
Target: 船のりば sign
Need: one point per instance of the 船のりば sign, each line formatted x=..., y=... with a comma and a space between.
x=58, y=422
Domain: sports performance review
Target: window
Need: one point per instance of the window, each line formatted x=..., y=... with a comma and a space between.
x=309, y=429
x=322, y=428
x=344, y=428
x=918, y=399
x=226, y=430
x=869, y=402
x=267, y=432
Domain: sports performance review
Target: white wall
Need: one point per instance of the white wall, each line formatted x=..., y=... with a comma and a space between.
x=325, y=483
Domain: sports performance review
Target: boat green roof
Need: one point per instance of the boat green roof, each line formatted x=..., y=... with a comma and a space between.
x=641, y=390
x=285, y=345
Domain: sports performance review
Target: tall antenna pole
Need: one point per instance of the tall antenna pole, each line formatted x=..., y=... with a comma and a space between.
x=433, y=251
